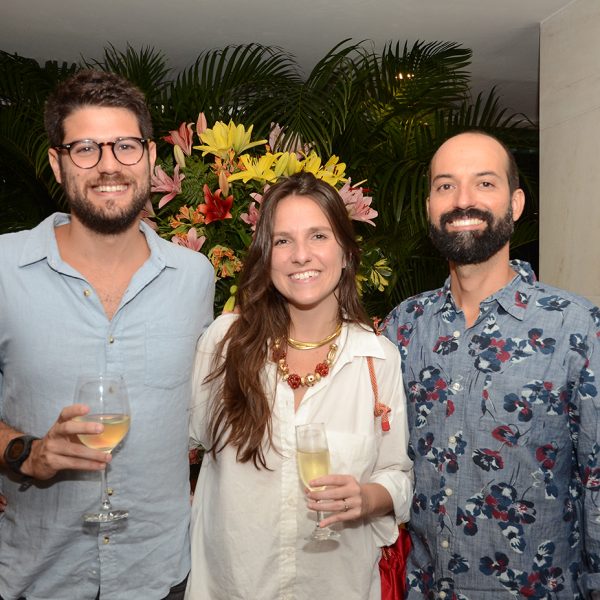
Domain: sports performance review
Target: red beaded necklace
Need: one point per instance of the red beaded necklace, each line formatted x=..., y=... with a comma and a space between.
x=293, y=379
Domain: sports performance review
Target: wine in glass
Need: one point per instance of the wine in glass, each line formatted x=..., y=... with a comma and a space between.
x=313, y=461
x=106, y=396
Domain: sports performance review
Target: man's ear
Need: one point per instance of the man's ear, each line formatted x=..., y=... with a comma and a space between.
x=517, y=203
x=54, y=161
x=152, y=155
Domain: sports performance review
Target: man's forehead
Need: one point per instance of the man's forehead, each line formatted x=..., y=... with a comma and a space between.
x=469, y=154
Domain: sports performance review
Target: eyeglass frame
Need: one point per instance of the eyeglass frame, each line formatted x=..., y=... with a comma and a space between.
x=143, y=141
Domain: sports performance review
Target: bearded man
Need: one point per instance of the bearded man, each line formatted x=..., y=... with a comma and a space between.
x=503, y=405
x=97, y=291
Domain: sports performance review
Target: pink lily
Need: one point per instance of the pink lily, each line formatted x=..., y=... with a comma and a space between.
x=161, y=182
x=147, y=214
x=181, y=137
x=191, y=240
x=357, y=205
x=251, y=217
x=201, y=125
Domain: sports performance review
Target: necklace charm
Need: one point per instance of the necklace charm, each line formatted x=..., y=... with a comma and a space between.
x=293, y=379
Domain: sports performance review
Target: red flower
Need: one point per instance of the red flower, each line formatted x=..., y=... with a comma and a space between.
x=216, y=208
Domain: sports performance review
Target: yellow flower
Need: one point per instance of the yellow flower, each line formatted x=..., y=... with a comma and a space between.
x=222, y=138
x=260, y=168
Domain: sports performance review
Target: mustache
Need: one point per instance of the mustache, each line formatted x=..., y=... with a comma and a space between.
x=116, y=179
x=467, y=213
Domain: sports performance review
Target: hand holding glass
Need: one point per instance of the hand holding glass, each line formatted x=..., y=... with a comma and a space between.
x=106, y=397
x=313, y=462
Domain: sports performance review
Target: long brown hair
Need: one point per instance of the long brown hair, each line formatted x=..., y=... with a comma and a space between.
x=241, y=415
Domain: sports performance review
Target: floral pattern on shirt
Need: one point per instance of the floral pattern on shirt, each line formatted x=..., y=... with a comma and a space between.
x=504, y=434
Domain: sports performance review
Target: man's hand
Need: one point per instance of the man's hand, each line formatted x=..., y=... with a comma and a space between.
x=60, y=448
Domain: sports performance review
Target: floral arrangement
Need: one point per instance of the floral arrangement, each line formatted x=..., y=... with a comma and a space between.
x=207, y=196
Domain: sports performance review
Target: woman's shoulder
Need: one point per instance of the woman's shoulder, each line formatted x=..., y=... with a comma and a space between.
x=374, y=344
x=218, y=328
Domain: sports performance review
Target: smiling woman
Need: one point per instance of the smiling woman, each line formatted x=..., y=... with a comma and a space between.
x=296, y=353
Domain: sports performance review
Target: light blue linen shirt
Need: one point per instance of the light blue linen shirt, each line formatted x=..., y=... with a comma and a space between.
x=52, y=328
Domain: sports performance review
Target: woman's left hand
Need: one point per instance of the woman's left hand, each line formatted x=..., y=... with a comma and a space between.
x=343, y=498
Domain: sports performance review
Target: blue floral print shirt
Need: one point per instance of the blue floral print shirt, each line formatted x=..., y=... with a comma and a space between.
x=504, y=434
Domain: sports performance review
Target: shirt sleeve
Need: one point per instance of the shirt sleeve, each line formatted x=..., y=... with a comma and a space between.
x=586, y=398
x=393, y=469
x=204, y=393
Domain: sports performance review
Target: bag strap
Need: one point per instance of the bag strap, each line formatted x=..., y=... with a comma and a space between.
x=381, y=410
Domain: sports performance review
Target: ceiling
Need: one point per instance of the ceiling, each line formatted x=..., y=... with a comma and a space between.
x=503, y=34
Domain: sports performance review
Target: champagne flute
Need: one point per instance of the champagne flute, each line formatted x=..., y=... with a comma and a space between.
x=106, y=396
x=313, y=462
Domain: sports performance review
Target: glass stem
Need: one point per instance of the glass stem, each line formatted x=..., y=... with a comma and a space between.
x=106, y=505
x=320, y=517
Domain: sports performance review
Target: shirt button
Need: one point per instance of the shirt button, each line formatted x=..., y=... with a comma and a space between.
x=456, y=334
x=87, y=293
x=442, y=595
x=456, y=387
x=452, y=439
x=111, y=340
x=109, y=491
x=445, y=544
x=449, y=491
x=106, y=540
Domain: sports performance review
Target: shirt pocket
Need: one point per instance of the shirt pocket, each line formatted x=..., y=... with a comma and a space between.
x=352, y=454
x=170, y=350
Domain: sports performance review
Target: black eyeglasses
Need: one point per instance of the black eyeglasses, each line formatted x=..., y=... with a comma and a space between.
x=86, y=154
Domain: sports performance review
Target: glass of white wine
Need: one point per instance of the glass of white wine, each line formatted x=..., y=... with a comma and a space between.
x=313, y=461
x=106, y=396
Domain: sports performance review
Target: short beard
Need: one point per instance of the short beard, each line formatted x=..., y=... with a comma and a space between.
x=95, y=218
x=472, y=247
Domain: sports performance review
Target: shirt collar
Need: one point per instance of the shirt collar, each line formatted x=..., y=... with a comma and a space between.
x=41, y=245
x=513, y=297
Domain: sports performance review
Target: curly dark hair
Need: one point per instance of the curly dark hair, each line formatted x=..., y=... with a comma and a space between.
x=90, y=87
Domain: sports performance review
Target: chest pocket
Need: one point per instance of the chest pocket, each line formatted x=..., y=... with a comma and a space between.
x=352, y=454
x=170, y=350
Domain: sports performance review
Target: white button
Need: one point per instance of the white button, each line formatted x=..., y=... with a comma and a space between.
x=452, y=439
x=449, y=491
x=456, y=387
x=87, y=293
x=106, y=539
x=111, y=340
x=445, y=543
x=456, y=334
x=442, y=595
x=110, y=491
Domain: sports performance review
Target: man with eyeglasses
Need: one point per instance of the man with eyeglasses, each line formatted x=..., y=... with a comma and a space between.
x=97, y=291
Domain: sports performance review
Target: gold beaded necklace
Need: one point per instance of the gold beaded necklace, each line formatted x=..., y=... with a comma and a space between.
x=321, y=369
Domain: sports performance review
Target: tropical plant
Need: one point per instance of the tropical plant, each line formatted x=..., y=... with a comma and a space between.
x=384, y=113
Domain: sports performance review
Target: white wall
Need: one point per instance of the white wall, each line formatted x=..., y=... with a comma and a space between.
x=570, y=149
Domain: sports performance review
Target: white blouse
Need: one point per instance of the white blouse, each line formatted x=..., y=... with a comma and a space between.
x=249, y=526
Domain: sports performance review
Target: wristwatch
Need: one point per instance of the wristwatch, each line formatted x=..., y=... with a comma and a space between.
x=18, y=451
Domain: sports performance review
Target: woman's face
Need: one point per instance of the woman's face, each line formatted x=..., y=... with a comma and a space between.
x=306, y=260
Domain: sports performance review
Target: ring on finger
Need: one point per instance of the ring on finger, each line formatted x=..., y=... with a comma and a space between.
x=346, y=507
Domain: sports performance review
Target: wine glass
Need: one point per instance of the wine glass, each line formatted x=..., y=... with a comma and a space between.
x=313, y=461
x=106, y=396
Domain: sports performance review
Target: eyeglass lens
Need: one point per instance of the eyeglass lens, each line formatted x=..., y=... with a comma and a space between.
x=87, y=153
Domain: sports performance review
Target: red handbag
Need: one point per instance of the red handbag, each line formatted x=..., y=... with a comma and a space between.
x=392, y=564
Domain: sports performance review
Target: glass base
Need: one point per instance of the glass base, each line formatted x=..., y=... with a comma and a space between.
x=323, y=533
x=106, y=517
